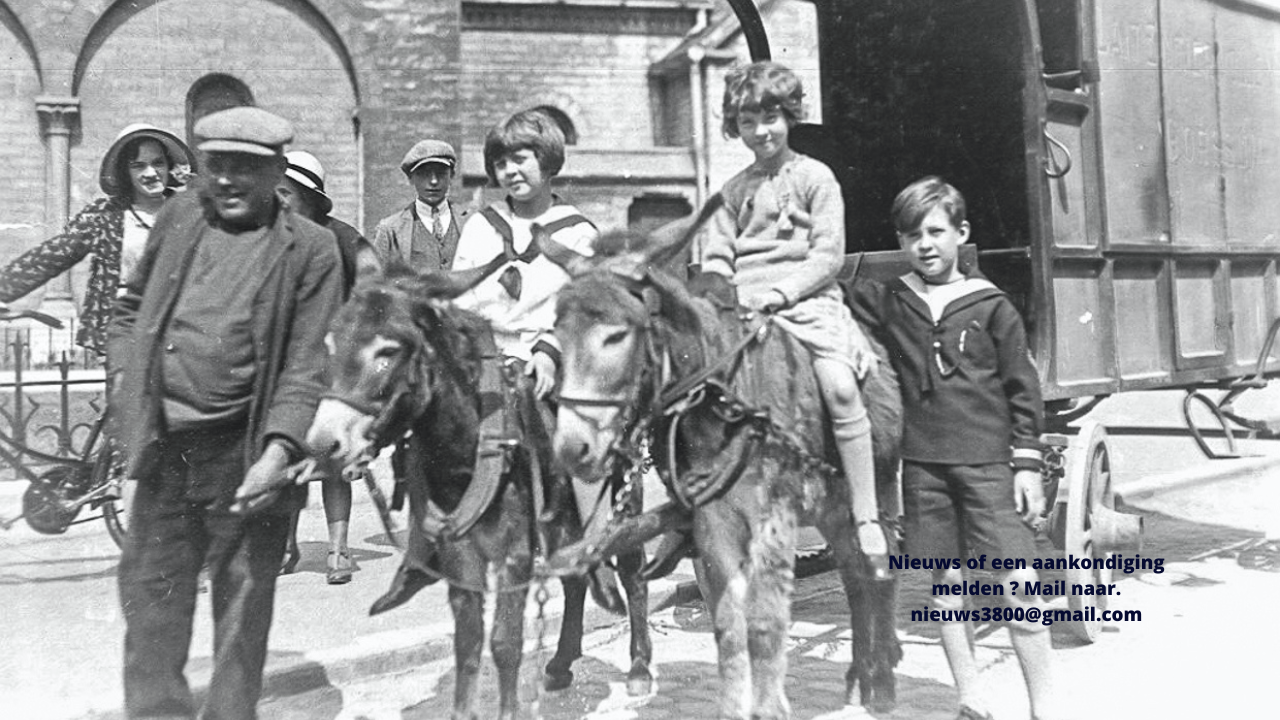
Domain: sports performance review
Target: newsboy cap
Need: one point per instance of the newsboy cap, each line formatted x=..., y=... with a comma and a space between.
x=245, y=130
x=429, y=151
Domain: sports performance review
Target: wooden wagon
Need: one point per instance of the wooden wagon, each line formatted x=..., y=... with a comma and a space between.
x=1122, y=166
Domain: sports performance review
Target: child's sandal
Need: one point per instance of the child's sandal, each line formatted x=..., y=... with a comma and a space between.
x=341, y=567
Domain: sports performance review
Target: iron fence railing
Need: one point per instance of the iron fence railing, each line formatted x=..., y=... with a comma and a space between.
x=49, y=409
x=45, y=348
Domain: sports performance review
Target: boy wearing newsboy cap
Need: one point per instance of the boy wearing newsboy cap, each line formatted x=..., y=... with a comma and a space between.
x=424, y=235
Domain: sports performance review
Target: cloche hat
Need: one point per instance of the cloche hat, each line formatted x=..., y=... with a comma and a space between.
x=306, y=170
x=181, y=157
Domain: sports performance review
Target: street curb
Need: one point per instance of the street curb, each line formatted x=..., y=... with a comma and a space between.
x=402, y=650
x=392, y=652
x=397, y=651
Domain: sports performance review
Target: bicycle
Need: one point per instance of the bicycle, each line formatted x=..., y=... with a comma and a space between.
x=55, y=498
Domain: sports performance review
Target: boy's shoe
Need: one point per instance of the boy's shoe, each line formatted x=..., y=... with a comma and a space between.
x=602, y=582
x=407, y=582
x=968, y=713
x=674, y=547
x=290, y=562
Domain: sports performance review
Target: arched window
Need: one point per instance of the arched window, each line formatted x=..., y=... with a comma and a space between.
x=212, y=93
x=561, y=119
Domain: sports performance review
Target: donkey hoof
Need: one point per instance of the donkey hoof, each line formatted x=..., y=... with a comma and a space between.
x=884, y=693
x=639, y=680
x=556, y=678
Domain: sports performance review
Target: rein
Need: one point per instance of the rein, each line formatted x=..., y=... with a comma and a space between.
x=675, y=401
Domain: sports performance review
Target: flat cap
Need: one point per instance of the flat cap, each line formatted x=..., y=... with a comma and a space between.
x=429, y=151
x=245, y=130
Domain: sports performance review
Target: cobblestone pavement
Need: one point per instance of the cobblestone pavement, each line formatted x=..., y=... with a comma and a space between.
x=1204, y=648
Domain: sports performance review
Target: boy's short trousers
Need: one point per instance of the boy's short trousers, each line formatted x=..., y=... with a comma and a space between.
x=824, y=325
x=962, y=510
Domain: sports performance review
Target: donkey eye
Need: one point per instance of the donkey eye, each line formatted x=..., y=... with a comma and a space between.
x=615, y=337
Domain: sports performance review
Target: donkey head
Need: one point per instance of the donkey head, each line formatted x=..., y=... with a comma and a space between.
x=616, y=321
x=389, y=345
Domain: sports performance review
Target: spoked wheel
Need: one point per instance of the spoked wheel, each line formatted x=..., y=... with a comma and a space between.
x=108, y=471
x=1088, y=478
x=1093, y=529
x=48, y=504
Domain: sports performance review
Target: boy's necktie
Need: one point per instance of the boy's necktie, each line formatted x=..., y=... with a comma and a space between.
x=437, y=226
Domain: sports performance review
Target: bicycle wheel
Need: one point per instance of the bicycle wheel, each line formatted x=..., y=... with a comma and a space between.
x=44, y=504
x=108, y=468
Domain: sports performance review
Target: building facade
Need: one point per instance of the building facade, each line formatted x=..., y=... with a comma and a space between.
x=362, y=80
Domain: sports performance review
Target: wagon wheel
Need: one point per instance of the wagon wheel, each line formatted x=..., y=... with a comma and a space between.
x=1088, y=478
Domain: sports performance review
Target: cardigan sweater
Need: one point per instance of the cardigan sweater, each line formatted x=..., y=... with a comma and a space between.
x=779, y=231
x=971, y=395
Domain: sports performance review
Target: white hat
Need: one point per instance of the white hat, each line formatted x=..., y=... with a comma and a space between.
x=179, y=155
x=306, y=170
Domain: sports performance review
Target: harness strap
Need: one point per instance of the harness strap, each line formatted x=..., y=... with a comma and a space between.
x=490, y=465
x=726, y=362
x=698, y=486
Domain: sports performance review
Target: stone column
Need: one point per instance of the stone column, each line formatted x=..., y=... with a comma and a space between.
x=58, y=118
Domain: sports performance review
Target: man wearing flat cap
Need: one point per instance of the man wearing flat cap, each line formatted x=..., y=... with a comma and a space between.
x=219, y=341
x=425, y=234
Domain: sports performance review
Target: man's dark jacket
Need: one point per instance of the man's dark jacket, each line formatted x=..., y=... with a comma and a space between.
x=301, y=290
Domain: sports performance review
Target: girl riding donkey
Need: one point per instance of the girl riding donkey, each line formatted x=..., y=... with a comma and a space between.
x=741, y=444
x=513, y=290
x=780, y=240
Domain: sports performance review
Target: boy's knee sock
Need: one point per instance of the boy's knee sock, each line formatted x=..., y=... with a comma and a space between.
x=853, y=443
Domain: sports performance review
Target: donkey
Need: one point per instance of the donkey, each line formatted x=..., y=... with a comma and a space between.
x=740, y=443
x=405, y=360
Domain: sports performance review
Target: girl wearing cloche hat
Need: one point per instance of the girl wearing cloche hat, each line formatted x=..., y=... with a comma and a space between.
x=143, y=167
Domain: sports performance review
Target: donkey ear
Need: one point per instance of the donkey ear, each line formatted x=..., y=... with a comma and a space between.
x=568, y=260
x=425, y=313
x=674, y=238
x=451, y=284
x=677, y=306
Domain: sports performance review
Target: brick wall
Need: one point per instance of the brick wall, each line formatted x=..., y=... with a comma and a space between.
x=22, y=183
x=405, y=69
x=389, y=65
x=145, y=68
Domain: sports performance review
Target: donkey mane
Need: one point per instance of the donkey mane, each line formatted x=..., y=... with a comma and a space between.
x=681, y=322
x=415, y=308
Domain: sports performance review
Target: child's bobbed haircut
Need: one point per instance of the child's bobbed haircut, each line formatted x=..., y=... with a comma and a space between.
x=761, y=87
x=920, y=198
x=531, y=129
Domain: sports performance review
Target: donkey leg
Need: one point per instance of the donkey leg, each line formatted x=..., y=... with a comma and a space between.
x=639, y=678
x=837, y=529
x=772, y=558
x=725, y=586
x=559, y=671
x=886, y=652
x=468, y=643
x=507, y=646
x=859, y=675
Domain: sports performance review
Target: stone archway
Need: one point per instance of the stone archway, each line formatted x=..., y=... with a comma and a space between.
x=139, y=65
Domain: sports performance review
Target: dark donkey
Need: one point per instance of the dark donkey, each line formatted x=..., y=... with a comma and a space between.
x=405, y=360
x=737, y=432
